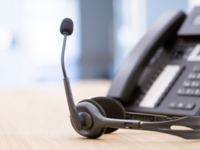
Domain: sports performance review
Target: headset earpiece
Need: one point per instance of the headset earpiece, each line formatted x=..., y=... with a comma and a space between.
x=89, y=107
x=112, y=108
x=104, y=106
x=97, y=105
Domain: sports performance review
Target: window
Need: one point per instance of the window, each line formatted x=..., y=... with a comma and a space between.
x=30, y=48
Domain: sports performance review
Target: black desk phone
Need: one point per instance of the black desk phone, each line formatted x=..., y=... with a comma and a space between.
x=161, y=75
x=158, y=84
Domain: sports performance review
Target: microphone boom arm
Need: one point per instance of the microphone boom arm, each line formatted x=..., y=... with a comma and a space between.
x=75, y=118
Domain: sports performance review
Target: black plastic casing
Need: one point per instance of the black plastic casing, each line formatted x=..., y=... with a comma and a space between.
x=137, y=74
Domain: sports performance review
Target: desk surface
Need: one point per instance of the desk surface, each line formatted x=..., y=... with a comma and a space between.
x=39, y=119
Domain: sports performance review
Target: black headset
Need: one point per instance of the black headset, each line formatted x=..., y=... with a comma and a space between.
x=99, y=115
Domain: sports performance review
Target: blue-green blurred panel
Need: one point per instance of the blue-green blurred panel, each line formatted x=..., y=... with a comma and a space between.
x=155, y=8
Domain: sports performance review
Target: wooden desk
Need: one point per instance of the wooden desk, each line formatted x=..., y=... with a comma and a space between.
x=38, y=119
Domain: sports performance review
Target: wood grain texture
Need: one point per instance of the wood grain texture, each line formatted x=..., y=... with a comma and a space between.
x=38, y=118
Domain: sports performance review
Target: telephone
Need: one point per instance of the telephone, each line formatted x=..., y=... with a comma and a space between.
x=161, y=75
x=156, y=87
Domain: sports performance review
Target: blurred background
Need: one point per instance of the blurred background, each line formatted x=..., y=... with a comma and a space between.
x=105, y=31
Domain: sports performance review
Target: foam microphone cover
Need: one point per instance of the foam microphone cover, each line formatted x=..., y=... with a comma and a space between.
x=66, y=26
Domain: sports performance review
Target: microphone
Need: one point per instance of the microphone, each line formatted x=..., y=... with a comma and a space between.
x=66, y=28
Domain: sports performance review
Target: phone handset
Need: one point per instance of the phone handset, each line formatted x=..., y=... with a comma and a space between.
x=126, y=79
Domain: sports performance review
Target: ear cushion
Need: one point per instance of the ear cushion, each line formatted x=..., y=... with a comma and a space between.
x=112, y=108
x=101, y=111
x=97, y=105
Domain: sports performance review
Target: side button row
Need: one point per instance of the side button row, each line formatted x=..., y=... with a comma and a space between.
x=181, y=105
x=189, y=92
x=194, y=76
x=194, y=84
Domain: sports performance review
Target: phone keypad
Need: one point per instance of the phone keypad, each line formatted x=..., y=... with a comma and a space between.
x=191, y=86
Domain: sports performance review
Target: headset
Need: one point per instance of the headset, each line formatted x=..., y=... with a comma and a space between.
x=94, y=117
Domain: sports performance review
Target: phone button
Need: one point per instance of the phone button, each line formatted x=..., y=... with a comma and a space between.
x=172, y=105
x=195, y=84
x=197, y=92
x=192, y=76
x=186, y=83
x=198, y=76
x=190, y=92
x=180, y=105
x=196, y=69
x=181, y=92
x=189, y=106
